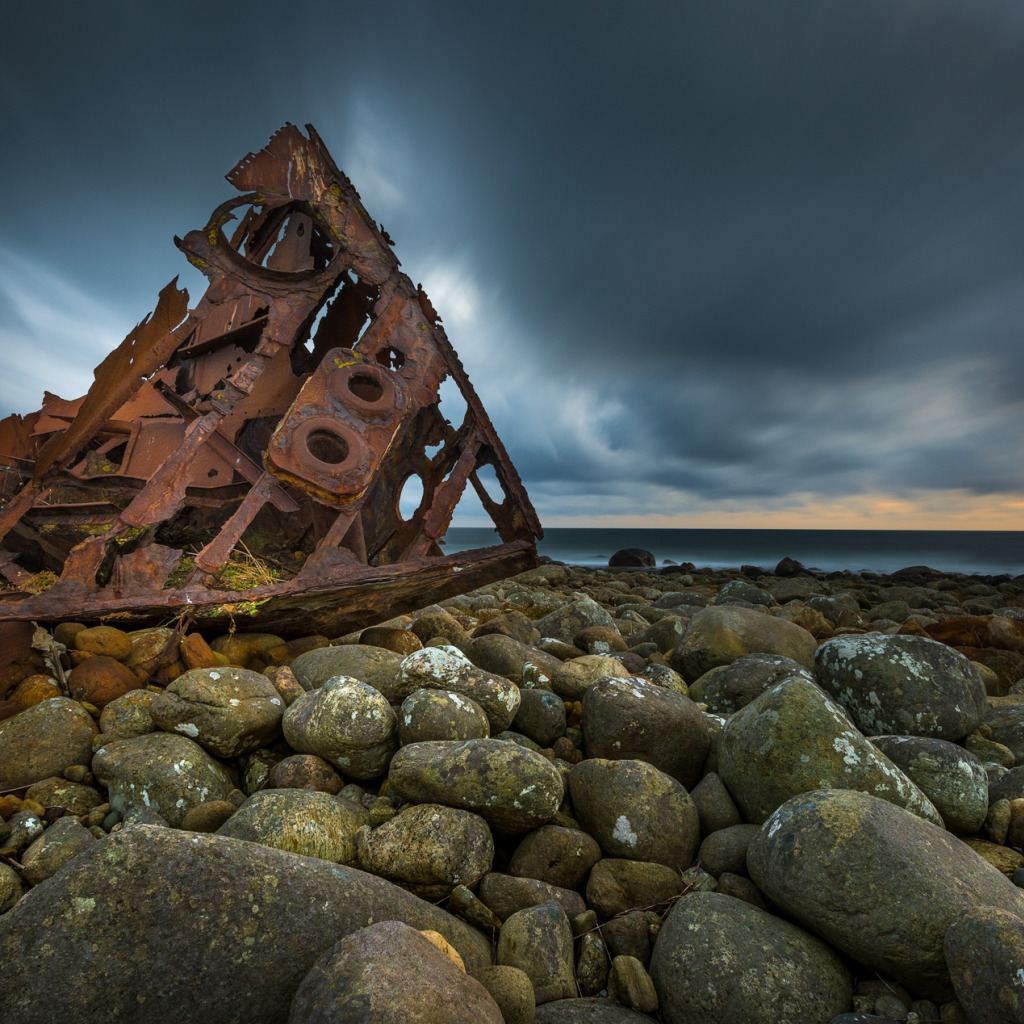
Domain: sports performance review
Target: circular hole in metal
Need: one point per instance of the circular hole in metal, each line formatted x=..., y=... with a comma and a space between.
x=327, y=447
x=365, y=388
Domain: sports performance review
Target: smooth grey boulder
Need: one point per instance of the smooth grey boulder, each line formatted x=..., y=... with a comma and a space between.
x=1005, y=718
x=228, y=711
x=43, y=740
x=952, y=778
x=389, y=973
x=162, y=772
x=634, y=810
x=719, y=634
x=429, y=849
x=984, y=950
x=346, y=722
x=795, y=738
x=445, y=668
x=302, y=821
x=875, y=881
x=631, y=719
x=511, y=658
x=510, y=787
x=233, y=926
x=903, y=684
x=538, y=940
x=719, y=960
x=374, y=666
x=61, y=842
x=541, y=716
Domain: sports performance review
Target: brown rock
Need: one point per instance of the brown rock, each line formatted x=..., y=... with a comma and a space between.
x=196, y=652
x=401, y=641
x=44, y=740
x=100, y=679
x=305, y=771
x=34, y=690
x=108, y=641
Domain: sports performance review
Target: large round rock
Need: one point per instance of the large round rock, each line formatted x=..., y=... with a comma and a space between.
x=952, y=778
x=794, y=738
x=984, y=950
x=512, y=788
x=167, y=773
x=719, y=960
x=154, y=924
x=634, y=810
x=229, y=711
x=303, y=821
x=875, y=881
x=727, y=688
x=720, y=634
x=390, y=973
x=429, y=849
x=908, y=685
x=346, y=722
x=368, y=664
x=440, y=715
x=632, y=719
x=44, y=740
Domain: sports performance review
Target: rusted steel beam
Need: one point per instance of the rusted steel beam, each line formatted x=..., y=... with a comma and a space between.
x=282, y=416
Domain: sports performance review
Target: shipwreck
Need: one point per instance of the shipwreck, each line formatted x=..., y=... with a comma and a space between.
x=276, y=425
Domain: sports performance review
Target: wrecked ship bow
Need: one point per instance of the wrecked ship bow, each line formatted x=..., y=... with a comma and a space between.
x=246, y=459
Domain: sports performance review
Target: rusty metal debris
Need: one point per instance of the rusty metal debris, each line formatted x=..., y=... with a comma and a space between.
x=277, y=423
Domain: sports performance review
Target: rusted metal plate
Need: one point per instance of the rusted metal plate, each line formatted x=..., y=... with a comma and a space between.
x=273, y=425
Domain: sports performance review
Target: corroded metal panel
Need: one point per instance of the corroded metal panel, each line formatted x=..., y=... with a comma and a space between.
x=277, y=422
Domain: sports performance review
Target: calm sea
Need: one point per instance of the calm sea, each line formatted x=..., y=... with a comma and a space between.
x=967, y=551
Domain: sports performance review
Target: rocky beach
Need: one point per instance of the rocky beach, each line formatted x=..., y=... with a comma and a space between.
x=575, y=795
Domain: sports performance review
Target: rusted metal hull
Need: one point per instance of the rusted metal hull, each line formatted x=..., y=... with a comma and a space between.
x=275, y=424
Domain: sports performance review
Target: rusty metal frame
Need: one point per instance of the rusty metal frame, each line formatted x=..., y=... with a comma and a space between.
x=294, y=401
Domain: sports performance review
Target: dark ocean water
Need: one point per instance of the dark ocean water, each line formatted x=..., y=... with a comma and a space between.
x=967, y=551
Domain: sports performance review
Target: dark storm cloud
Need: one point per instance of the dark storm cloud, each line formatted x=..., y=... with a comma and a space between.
x=731, y=250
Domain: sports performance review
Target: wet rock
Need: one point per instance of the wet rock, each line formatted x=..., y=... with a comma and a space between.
x=440, y=715
x=401, y=641
x=44, y=740
x=75, y=797
x=538, y=940
x=512, y=788
x=372, y=665
x=229, y=711
x=634, y=810
x=391, y=974
x=632, y=558
x=99, y=680
x=951, y=777
x=907, y=685
x=108, y=641
x=720, y=634
x=62, y=841
x=161, y=771
x=555, y=854
x=984, y=950
x=346, y=722
x=301, y=821
x=429, y=849
x=632, y=719
x=794, y=738
x=727, y=688
x=876, y=882
x=438, y=668
x=34, y=690
x=719, y=960
x=236, y=926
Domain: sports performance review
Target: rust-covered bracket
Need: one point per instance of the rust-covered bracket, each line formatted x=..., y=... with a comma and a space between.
x=246, y=458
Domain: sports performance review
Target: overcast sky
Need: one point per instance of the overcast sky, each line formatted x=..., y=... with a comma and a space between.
x=711, y=263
